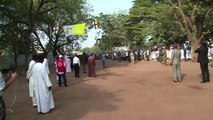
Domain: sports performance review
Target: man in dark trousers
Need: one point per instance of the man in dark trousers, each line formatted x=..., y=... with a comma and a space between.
x=61, y=70
x=76, y=64
x=84, y=59
x=203, y=60
x=103, y=59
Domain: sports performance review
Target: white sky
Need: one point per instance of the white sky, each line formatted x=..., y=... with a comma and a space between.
x=106, y=7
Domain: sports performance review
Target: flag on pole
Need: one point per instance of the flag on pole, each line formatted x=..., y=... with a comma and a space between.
x=77, y=29
x=55, y=30
x=95, y=24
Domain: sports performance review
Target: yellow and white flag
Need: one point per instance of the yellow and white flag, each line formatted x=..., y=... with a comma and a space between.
x=77, y=29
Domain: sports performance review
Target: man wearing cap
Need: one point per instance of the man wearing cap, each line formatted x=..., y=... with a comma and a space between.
x=61, y=70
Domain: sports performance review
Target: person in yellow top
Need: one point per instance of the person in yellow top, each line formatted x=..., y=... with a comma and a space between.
x=164, y=56
x=132, y=57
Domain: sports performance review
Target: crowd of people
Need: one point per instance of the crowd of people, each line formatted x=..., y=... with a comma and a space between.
x=176, y=53
x=38, y=76
x=161, y=54
x=40, y=86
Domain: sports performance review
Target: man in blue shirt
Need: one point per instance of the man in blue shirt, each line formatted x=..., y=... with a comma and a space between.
x=103, y=59
x=5, y=81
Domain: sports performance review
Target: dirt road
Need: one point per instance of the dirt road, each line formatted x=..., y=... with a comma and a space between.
x=141, y=91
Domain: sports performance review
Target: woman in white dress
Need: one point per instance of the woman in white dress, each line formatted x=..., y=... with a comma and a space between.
x=68, y=64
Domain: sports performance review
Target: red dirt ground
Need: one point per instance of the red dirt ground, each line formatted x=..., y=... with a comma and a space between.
x=141, y=91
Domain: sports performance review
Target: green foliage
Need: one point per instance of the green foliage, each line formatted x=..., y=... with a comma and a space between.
x=34, y=15
x=94, y=49
x=24, y=23
x=149, y=18
x=169, y=21
x=164, y=21
x=114, y=34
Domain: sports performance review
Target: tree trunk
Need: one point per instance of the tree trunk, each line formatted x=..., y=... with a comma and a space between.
x=55, y=54
x=194, y=46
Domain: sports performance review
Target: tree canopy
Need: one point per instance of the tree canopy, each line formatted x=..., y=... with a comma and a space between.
x=151, y=22
x=27, y=22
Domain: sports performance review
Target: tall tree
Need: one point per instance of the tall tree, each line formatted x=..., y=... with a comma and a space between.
x=67, y=13
x=33, y=17
x=194, y=18
x=113, y=34
x=26, y=14
x=171, y=20
x=11, y=42
x=145, y=22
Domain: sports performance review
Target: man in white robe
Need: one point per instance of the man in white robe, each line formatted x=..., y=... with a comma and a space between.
x=45, y=62
x=31, y=81
x=43, y=87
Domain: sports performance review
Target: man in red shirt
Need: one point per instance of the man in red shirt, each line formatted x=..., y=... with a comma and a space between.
x=61, y=70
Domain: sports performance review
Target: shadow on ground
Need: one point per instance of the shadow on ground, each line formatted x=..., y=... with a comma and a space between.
x=72, y=102
x=80, y=99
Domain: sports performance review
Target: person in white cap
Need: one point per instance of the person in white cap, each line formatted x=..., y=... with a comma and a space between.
x=68, y=64
x=61, y=70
